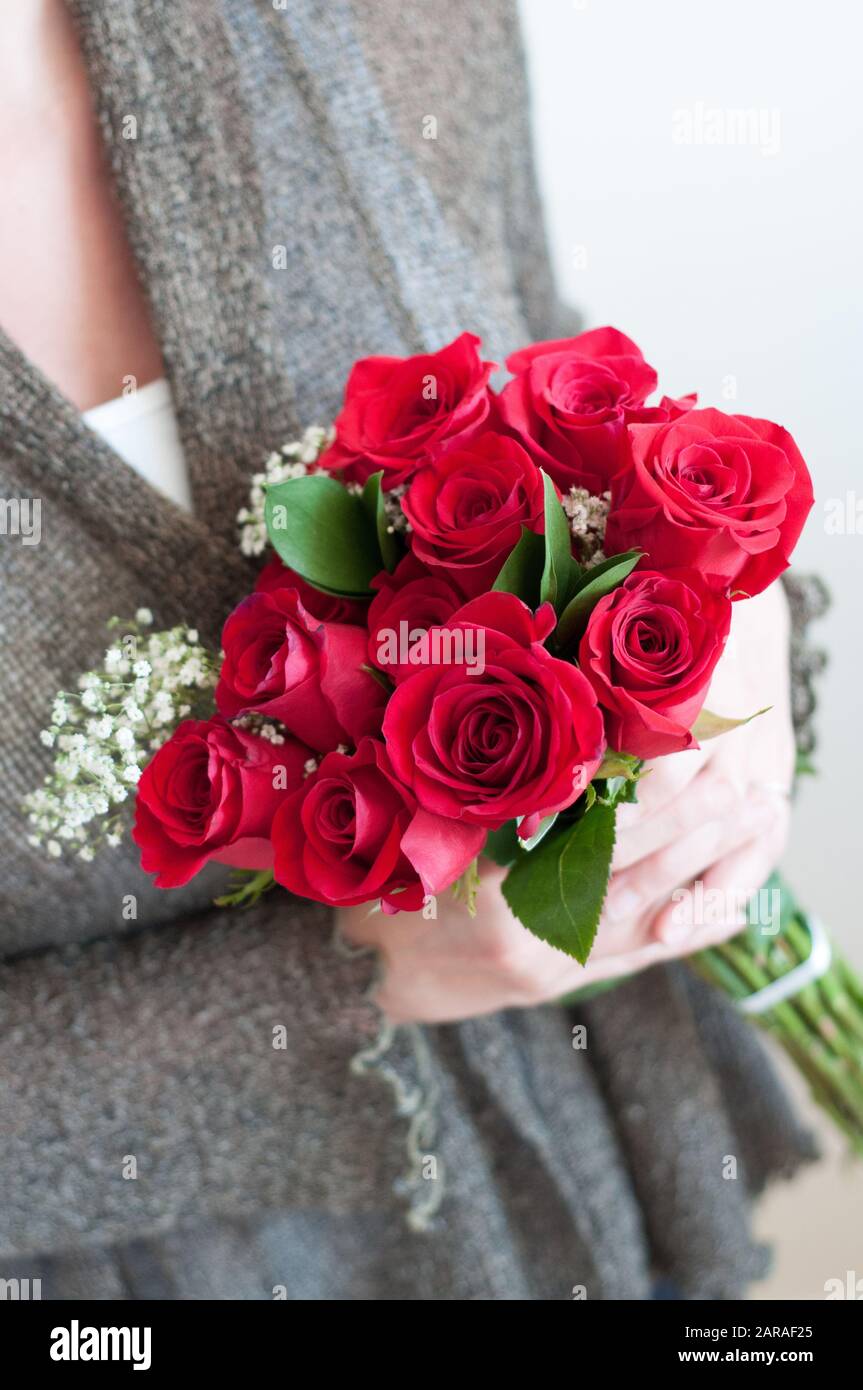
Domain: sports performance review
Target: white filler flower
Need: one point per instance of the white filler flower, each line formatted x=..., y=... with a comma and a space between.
x=293, y=460
x=104, y=734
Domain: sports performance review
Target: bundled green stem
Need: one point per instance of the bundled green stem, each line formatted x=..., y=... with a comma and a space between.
x=820, y=1026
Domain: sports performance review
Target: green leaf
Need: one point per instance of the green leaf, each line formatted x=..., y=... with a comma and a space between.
x=595, y=584
x=709, y=725
x=560, y=570
x=502, y=846
x=557, y=892
x=325, y=533
x=617, y=790
x=373, y=501
x=522, y=571
x=619, y=765
x=542, y=569
x=617, y=778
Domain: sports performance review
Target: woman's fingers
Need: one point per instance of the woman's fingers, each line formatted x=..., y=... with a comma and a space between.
x=708, y=916
x=663, y=783
x=710, y=796
x=637, y=892
x=715, y=906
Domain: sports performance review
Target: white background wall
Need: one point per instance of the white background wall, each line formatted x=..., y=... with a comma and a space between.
x=737, y=267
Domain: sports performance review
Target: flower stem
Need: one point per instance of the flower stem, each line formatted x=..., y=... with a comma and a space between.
x=249, y=886
x=820, y=1027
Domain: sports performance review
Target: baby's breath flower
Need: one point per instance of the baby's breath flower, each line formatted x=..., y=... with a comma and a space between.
x=258, y=724
x=596, y=558
x=105, y=733
x=587, y=516
x=396, y=519
x=294, y=460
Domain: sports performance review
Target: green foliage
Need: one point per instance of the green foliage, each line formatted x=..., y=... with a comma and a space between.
x=327, y=534
x=560, y=571
x=373, y=501
x=522, y=571
x=557, y=891
x=593, y=585
x=709, y=725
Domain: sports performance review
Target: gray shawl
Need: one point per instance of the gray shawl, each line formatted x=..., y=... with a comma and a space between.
x=485, y=1160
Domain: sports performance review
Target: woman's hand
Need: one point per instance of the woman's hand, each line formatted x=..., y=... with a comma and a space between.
x=718, y=815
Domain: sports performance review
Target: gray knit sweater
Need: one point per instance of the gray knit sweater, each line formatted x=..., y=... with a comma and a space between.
x=536, y=1167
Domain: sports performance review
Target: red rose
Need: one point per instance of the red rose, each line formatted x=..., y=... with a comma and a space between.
x=649, y=652
x=281, y=662
x=723, y=494
x=332, y=608
x=510, y=732
x=340, y=839
x=397, y=410
x=211, y=792
x=570, y=403
x=669, y=408
x=407, y=603
x=467, y=508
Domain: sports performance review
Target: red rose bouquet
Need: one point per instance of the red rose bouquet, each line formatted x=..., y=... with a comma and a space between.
x=484, y=614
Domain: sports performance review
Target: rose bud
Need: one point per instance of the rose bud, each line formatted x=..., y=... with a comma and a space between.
x=468, y=506
x=570, y=403
x=398, y=410
x=649, y=652
x=281, y=662
x=724, y=494
x=496, y=727
x=211, y=792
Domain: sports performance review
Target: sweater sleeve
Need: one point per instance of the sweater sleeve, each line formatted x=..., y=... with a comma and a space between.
x=808, y=600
